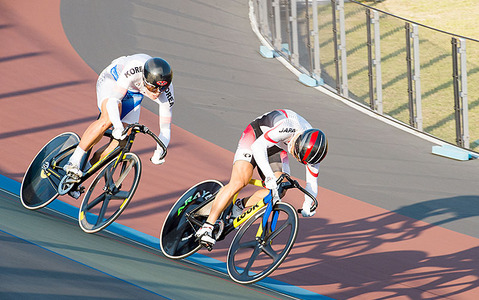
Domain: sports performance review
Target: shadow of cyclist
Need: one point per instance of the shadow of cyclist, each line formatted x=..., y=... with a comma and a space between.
x=400, y=253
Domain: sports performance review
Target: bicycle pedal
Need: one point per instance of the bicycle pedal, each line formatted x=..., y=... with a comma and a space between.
x=74, y=194
x=72, y=178
x=208, y=246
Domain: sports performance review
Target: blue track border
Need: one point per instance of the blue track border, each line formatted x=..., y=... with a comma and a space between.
x=145, y=239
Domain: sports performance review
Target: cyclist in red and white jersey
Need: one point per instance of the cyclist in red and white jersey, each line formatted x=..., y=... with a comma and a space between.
x=265, y=144
x=120, y=90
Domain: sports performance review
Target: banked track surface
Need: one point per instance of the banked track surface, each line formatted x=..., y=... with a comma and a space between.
x=350, y=249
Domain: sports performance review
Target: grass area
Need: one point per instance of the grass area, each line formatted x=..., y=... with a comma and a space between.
x=437, y=93
x=455, y=16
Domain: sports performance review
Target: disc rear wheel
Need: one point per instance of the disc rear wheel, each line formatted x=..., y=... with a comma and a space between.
x=177, y=238
x=40, y=182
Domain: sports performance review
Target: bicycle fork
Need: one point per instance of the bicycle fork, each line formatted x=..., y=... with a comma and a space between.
x=261, y=234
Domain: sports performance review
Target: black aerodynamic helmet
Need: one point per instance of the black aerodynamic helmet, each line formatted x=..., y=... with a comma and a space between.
x=310, y=147
x=157, y=73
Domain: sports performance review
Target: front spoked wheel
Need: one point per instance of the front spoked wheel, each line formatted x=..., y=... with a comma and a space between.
x=177, y=238
x=255, y=253
x=40, y=182
x=109, y=193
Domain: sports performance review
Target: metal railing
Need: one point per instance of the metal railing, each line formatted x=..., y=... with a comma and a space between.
x=412, y=73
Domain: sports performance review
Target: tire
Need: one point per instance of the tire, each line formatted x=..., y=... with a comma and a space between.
x=250, y=260
x=109, y=193
x=40, y=182
x=177, y=237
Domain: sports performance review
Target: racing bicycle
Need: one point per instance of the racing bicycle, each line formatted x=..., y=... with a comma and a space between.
x=108, y=194
x=265, y=232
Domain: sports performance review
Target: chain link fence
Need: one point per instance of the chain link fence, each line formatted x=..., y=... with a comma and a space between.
x=412, y=73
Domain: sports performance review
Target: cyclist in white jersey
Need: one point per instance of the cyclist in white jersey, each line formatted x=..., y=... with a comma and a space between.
x=265, y=144
x=120, y=89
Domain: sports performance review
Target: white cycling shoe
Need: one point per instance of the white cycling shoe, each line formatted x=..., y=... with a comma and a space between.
x=73, y=171
x=205, y=235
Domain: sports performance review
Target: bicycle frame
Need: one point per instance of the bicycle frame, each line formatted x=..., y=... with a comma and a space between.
x=266, y=201
x=116, y=153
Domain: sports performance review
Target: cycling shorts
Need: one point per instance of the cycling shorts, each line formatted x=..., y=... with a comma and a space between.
x=244, y=152
x=130, y=104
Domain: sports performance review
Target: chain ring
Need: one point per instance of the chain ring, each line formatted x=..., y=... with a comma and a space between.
x=65, y=185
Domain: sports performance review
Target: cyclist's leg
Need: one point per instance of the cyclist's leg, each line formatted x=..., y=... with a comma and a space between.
x=105, y=85
x=103, y=151
x=133, y=116
x=279, y=164
x=95, y=131
x=259, y=194
x=240, y=176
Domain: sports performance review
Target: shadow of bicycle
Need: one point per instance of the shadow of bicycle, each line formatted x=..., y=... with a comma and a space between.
x=392, y=254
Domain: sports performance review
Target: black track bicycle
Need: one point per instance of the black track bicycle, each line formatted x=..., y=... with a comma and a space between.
x=110, y=191
x=265, y=232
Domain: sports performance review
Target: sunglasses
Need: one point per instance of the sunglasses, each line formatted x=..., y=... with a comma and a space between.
x=154, y=89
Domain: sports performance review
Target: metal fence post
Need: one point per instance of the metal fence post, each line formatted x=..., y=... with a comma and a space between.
x=417, y=76
x=315, y=33
x=308, y=38
x=372, y=103
x=288, y=30
x=342, y=47
x=409, y=75
x=277, y=24
x=463, y=94
x=336, y=46
x=263, y=18
x=377, y=63
x=294, y=31
x=457, y=102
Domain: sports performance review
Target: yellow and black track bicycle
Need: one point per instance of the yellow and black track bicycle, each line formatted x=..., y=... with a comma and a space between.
x=265, y=232
x=110, y=191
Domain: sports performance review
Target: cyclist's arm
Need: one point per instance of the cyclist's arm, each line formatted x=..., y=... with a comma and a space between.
x=112, y=106
x=285, y=162
x=260, y=147
x=260, y=154
x=312, y=173
x=165, y=104
x=123, y=82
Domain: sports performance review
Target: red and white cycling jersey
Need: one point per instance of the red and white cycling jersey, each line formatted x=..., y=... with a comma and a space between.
x=269, y=134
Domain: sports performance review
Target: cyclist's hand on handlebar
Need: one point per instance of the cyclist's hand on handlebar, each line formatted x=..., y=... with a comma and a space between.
x=117, y=133
x=306, y=211
x=156, y=158
x=270, y=183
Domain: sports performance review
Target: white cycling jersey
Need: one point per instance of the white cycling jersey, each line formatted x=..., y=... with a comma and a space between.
x=122, y=82
x=271, y=133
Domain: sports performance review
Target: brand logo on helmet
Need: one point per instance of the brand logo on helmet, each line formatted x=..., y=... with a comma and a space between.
x=162, y=83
